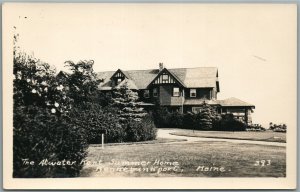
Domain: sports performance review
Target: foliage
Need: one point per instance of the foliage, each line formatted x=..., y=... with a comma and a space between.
x=161, y=117
x=82, y=81
x=255, y=127
x=96, y=119
x=278, y=127
x=126, y=101
x=205, y=119
x=143, y=130
x=40, y=135
x=199, y=121
x=43, y=120
x=229, y=123
x=133, y=122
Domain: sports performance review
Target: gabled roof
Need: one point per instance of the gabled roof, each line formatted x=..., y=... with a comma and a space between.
x=129, y=82
x=204, y=77
x=164, y=70
x=197, y=77
x=234, y=102
x=105, y=76
x=124, y=72
x=142, y=78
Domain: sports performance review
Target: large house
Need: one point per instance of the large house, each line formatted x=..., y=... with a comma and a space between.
x=182, y=89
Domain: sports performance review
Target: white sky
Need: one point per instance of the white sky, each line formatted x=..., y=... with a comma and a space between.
x=253, y=46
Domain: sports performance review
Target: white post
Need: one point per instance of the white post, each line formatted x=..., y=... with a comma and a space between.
x=102, y=140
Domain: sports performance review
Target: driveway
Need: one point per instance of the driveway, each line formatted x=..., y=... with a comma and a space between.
x=166, y=133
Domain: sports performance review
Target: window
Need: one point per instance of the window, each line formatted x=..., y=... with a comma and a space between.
x=196, y=109
x=155, y=94
x=146, y=94
x=193, y=93
x=119, y=81
x=165, y=78
x=176, y=92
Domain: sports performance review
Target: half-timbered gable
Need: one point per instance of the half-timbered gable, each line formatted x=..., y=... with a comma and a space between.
x=165, y=77
x=118, y=77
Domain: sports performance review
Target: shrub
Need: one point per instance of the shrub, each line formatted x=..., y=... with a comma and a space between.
x=175, y=119
x=96, y=119
x=229, y=123
x=255, y=127
x=161, y=117
x=189, y=120
x=199, y=121
x=39, y=135
x=204, y=119
x=44, y=125
x=142, y=130
x=278, y=128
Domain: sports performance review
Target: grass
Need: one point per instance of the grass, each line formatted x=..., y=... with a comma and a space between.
x=238, y=160
x=268, y=135
x=158, y=140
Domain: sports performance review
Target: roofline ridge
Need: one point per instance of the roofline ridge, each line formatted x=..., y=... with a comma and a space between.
x=157, y=69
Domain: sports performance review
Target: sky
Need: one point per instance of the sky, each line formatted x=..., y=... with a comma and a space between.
x=253, y=46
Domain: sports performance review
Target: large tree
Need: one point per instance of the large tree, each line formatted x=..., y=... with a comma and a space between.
x=207, y=116
x=126, y=101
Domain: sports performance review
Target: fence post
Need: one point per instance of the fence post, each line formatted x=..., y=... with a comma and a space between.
x=102, y=140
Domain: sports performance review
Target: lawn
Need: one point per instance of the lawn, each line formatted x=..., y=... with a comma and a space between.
x=243, y=135
x=200, y=159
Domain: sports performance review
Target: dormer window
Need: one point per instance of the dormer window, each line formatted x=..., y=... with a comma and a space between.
x=176, y=92
x=155, y=93
x=146, y=93
x=193, y=93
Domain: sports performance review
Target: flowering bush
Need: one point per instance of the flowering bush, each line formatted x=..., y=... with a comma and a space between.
x=43, y=121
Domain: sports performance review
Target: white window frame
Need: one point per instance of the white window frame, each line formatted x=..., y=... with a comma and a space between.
x=146, y=93
x=193, y=91
x=155, y=92
x=175, y=95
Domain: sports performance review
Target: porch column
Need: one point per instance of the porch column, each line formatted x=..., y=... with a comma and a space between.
x=246, y=116
x=182, y=100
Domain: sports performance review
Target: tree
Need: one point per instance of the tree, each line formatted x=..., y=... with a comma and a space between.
x=82, y=81
x=43, y=123
x=207, y=117
x=126, y=101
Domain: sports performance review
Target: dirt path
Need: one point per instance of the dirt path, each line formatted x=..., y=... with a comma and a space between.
x=165, y=133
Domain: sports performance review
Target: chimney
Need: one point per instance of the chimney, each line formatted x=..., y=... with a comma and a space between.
x=161, y=66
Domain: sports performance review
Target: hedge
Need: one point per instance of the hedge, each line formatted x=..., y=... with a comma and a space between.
x=205, y=120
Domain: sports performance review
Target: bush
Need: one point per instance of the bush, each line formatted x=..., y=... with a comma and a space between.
x=143, y=130
x=229, y=123
x=189, y=120
x=255, y=127
x=44, y=126
x=199, y=121
x=278, y=128
x=96, y=119
x=39, y=135
x=164, y=118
